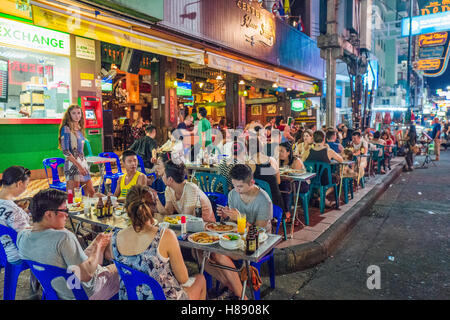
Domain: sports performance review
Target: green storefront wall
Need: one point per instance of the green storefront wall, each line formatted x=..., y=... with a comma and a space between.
x=28, y=144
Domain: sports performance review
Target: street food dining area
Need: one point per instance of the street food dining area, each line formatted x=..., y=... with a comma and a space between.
x=302, y=231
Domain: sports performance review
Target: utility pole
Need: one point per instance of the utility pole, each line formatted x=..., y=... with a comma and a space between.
x=331, y=49
x=408, y=76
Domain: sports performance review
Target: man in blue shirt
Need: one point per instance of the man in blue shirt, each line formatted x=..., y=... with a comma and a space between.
x=331, y=141
x=436, y=136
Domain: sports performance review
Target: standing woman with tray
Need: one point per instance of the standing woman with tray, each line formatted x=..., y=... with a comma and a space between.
x=71, y=142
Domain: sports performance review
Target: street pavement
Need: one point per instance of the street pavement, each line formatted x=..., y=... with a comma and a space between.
x=405, y=234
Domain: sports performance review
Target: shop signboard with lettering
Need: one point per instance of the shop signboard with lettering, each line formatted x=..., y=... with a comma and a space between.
x=29, y=36
x=245, y=27
x=432, y=25
x=85, y=48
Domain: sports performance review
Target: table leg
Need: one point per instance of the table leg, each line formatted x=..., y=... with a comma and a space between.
x=250, y=281
x=341, y=172
x=295, y=210
x=205, y=256
x=101, y=166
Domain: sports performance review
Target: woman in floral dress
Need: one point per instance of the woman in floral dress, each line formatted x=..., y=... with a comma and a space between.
x=154, y=251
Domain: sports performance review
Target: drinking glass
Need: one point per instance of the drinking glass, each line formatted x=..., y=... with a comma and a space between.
x=87, y=205
x=77, y=196
x=241, y=223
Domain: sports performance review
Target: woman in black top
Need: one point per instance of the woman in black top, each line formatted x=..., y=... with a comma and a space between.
x=321, y=152
x=288, y=160
x=265, y=168
x=411, y=139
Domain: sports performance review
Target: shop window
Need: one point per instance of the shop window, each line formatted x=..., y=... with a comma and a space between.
x=38, y=84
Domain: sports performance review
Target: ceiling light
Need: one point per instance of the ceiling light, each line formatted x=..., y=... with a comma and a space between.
x=201, y=84
x=154, y=60
x=289, y=89
x=242, y=82
x=219, y=77
x=275, y=85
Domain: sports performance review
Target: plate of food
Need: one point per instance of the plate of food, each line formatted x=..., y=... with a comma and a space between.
x=175, y=219
x=204, y=238
x=75, y=207
x=230, y=241
x=221, y=228
x=294, y=172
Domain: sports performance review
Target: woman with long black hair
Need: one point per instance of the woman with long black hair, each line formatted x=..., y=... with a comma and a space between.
x=411, y=139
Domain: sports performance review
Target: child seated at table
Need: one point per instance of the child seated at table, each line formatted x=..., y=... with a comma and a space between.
x=348, y=170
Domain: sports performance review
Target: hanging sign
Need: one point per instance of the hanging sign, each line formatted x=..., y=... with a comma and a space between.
x=85, y=48
x=433, y=39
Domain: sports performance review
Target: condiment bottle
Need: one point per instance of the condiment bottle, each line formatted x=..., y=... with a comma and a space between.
x=183, y=227
x=69, y=196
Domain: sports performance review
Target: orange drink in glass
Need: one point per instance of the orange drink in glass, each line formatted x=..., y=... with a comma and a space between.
x=241, y=223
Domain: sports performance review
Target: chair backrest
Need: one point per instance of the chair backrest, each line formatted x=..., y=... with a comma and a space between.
x=133, y=278
x=108, y=165
x=318, y=167
x=265, y=186
x=46, y=274
x=209, y=182
x=381, y=150
x=278, y=215
x=87, y=144
x=53, y=164
x=141, y=164
x=4, y=230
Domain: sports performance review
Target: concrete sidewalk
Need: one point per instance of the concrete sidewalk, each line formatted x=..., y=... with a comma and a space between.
x=313, y=244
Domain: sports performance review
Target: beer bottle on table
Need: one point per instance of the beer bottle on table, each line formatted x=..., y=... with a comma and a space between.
x=99, y=208
x=251, y=242
x=108, y=207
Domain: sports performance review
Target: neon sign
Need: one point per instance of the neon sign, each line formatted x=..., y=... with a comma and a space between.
x=433, y=39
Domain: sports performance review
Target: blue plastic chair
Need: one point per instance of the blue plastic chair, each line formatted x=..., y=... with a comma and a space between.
x=53, y=164
x=319, y=168
x=142, y=167
x=133, y=278
x=376, y=157
x=46, y=274
x=347, y=185
x=209, y=183
x=12, y=270
x=265, y=186
x=114, y=177
x=278, y=215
